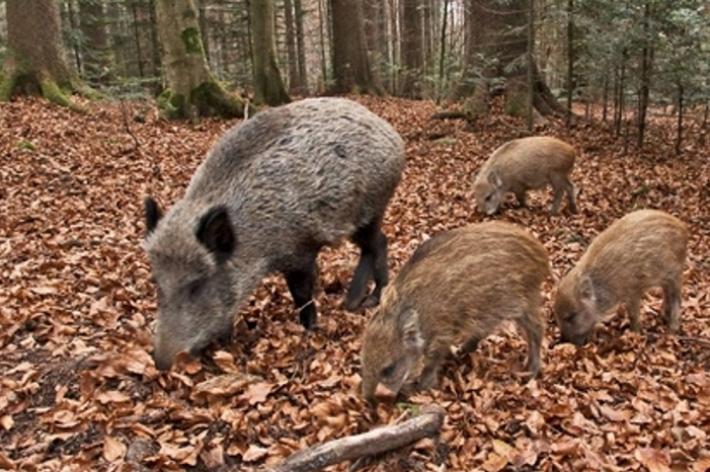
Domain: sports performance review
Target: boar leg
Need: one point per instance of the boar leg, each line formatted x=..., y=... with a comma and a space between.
x=301, y=282
x=557, y=199
x=671, y=304
x=521, y=196
x=470, y=346
x=429, y=377
x=534, y=330
x=372, y=264
x=569, y=190
x=633, y=307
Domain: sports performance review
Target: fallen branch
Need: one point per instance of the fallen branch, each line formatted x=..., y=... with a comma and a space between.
x=373, y=442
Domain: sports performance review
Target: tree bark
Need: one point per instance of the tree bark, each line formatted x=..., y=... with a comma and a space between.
x=644, y=89
x=191, y=90
x=412, y=49
x=442, y=49
x=301, y=43
x=679, y=134
x=351, y=66
x=294, y=77
x=496, y=40
x=268, y=85
x=531, y=63
x=35, y=63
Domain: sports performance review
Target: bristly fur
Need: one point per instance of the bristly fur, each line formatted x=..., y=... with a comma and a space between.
x=292, y=179
x=526, y=164
x=460, y=285
x=644, y=249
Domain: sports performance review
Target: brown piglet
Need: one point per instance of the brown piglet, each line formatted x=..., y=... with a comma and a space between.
x=644, y=249
x=456, y=288
x=526, y=164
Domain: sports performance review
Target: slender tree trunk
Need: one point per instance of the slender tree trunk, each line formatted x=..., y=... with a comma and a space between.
x=321, y=34
x=442, y=50
x=622, y=91
x=470, y=46
x=679, y=135
x=155, y=43
x=412, y=48
x=294, y=78
x=301, y=43
x=204, y=29
x=570, y=59
x=269, y=87
x=35, y=63
x=531, y=74
x=191, y=89
x=137, y=38
x=71, y=15
x=96, y=52
x=351, y=65
x=645, y=76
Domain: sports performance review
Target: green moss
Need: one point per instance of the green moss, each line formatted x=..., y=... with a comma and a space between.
x=7, y=85
x=52, y=92
x=172, y=105
x=192, y=41
x=26, y=145
x=210, y=98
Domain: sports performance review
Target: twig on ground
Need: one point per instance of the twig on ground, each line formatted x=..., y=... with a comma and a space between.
x=124, y=114
x=377, y=441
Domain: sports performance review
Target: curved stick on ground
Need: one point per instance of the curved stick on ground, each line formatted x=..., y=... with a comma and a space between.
x=377, y=441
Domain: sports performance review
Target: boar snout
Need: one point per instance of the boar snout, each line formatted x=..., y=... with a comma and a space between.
x=165, y=352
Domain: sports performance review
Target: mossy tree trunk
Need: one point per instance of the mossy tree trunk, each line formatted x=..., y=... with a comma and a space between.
x=268, y=85
x=412, y=48
x=191, y=90
x=35, y=63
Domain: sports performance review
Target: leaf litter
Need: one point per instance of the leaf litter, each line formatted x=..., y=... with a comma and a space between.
x=79, y=390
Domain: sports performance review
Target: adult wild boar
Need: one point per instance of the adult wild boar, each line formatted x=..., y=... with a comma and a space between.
x=456, y=288
x=644, y=249
x=270, y=194
x=525, y=164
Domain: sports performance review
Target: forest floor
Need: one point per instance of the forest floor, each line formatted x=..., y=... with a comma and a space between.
x=79, y=391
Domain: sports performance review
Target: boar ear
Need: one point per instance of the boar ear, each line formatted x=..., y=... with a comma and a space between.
x=152, y=214
x=215, y=232
x=494, y=179
x=411, y=332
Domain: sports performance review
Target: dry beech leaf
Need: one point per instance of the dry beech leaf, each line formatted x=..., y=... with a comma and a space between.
x=114, y=449
x=653, y=459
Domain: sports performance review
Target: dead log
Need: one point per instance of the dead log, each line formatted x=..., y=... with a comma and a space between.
x=451, y=115
x=377, y=441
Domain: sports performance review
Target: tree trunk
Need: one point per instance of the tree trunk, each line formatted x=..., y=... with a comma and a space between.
x=204, y=29
x=570, y=60
x=412, y=49
x=321, y=26
x=621, y=91
x=442, y=49
x=294, y=78
x=679, y=135
x=137, y=38
x=301, y=43
x=35, y=63
x=71, y=16
x=191, y=90
x=268, y=86
x=645, y=76
x=605, y=98
x=155, y=44
x=531, y=62
x=98, y=56
x=497, y=39
x=471, y=45
x=351, y=66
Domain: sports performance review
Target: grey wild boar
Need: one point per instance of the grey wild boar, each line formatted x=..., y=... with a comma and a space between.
x=270, y=194
x=644, y=249
x=456, y=288
x=525, y=164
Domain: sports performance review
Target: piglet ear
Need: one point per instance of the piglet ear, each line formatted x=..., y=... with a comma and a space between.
x=411, y=331
x=152, y=214
x=215, y=232
x=494, y=179
x=587, y=292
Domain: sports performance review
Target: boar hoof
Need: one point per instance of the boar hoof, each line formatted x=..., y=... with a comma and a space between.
x=308, y=317
x=370, y=302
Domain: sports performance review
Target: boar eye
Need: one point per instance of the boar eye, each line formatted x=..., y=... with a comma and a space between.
x=388, y=371
x=194, y=287
x=488, y=197
x=570, y=317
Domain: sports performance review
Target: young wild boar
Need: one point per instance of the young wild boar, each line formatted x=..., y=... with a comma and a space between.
x=456, y=288
x=643, y=249
x=524, y=164
x=270, y=194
